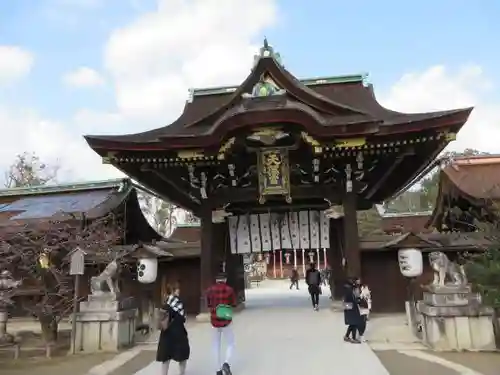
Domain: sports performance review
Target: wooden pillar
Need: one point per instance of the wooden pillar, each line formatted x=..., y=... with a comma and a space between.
x=236, y=275
x=351, y=236
x=235, y=269
x=207, y=258
x=274, y=264
x=335, y=254
x=281, y=263
x=303, y=263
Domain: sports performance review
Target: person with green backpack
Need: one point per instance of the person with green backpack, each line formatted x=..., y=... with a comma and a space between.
x=221, y=300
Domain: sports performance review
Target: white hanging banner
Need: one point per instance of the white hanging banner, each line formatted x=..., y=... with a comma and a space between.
x=255, y=233
x=325, y=230
x=275, y=232
x=243, y=232
x=294, y=220
x=314, y=229
x=304, y=229
x=233, y=233
x=265, y=231
x=286, y=242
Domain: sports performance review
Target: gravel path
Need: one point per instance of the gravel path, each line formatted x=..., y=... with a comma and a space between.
x=280, y=332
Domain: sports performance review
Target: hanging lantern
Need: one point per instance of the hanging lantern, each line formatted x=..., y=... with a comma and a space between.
x=147, y=270
x=311, y=256
x=267, y=258
x=287, y=258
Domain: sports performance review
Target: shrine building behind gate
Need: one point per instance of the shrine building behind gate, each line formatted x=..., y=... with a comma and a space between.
x=279, y=162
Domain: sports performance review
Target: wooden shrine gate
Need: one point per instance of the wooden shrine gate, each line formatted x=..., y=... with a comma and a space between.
x=277, y=145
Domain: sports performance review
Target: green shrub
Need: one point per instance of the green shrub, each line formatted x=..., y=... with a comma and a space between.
x=483, y=272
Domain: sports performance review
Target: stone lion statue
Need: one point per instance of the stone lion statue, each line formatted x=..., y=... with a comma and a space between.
x=108, y=278
x=7, y=283
x=445, y=269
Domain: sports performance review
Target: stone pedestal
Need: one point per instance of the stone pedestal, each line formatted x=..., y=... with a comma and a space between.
x=105, y=323
x=454, y=319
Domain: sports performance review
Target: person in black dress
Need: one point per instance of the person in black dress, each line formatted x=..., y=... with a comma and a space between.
x=313, y=280
x=352, y=315
x=173, y=344
x=294, y=279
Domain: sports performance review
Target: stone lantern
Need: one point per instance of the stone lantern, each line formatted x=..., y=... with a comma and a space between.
x=7, y=285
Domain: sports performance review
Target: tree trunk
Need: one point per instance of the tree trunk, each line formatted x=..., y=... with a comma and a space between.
x=49, y=327
x=4, y=317
x=496, y=325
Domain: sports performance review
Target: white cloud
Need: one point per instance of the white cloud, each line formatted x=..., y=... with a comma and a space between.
x=153, y=62
x=183, y=44
x=155, y=59
x=439, y=88
x=83, y=77
x=15, y=63
x=433, y=89
x=54, y=142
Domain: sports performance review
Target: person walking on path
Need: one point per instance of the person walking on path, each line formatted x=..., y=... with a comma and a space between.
x=352, y=315
x=221, y=300
x=294, y=279
x=313, y=280
x=365, y=306
x=325, y=276
x=173, y=344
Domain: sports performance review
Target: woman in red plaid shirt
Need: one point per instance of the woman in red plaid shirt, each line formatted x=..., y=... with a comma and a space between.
x=220, y=300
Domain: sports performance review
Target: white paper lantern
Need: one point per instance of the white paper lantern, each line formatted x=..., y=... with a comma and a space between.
x=411, y=263
x=147, y=270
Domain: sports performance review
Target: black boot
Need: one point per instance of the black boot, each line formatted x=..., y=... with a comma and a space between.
x=226, y=369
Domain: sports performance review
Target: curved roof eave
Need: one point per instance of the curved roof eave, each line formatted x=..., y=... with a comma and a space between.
x=399, y=124
x=284, y=80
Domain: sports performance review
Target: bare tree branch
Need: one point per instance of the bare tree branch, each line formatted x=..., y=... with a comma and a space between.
x=28, y=170
x=38, y=254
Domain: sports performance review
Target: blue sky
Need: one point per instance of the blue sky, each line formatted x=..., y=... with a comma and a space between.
x=316, y=38
x=385, y=38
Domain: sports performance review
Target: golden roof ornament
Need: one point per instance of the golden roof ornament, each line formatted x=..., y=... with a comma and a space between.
x=268, y=136
x=267, y=51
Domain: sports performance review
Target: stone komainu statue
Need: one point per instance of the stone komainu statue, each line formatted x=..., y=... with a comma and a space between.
x=7, y=283
x=445, y=269
x=107, y=277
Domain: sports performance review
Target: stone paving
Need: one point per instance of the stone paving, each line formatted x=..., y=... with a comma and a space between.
x=279, y=332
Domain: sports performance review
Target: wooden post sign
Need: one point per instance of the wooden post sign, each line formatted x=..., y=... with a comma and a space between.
x=76, y=268
x=77, y=263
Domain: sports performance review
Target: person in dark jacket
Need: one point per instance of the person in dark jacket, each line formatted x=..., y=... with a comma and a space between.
x=313, y=280
x=352, y=315
x=294, y=279
x=173, y=344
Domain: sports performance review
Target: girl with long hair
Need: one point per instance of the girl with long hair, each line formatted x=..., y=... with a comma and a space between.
x=352, y=315
x=365, y=306
x=173, y=344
